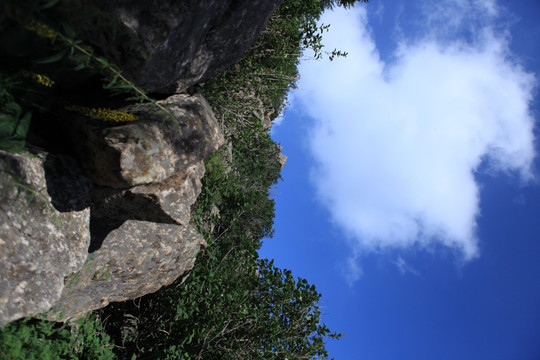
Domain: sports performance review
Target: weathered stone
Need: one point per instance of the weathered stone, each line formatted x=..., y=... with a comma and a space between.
x=173, y=44
x=282, y=160
x=135, y=259
x=44, y=230
x=168, y=201
x=151, y=149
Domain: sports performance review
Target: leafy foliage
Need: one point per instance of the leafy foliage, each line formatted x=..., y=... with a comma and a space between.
x=14, y=122
x=231, y=308
x=30, y=339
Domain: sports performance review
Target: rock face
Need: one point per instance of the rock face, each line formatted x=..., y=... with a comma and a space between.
x=179, y=43
x=135, y=259
x=151, y=149
x=40, y=243
x=168, y=201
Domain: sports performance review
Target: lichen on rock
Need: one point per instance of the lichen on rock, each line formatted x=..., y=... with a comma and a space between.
x=135, y=259
x=44, y=234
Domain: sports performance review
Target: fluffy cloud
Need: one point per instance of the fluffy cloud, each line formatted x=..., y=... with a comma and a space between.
x=397, y=145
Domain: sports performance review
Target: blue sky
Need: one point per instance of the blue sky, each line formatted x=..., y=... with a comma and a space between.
x=410, y=197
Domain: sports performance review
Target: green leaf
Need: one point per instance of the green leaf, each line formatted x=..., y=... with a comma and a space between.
x=13, y=109
x=79, y=67
x=11, y=145
x=124, y=86
x=7, y=126
x=50, y=4
x=50, y=59
x=111, y=83
x=68, y=30
x=23, y=126
x=190, y=339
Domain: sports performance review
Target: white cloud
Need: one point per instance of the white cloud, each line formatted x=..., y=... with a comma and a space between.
x=444, y=18
x=352, y=270
x=405, y=268
x=397, y=145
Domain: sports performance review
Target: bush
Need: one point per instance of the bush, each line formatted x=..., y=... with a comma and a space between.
x=31, y=338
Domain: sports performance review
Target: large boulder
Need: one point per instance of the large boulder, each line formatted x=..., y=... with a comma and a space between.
x=167, y=46
x=44, y=230
x=150, y=149
x=134, y=259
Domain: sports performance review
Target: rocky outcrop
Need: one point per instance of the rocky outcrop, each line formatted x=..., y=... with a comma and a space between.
x=282, y=158
x=151, y=149
x=75, y=238
x=135, y=259
x=170, y=45
x=44, y=231
x=147, y=175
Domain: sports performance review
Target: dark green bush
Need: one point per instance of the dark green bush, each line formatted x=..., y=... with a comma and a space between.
x=31, y=338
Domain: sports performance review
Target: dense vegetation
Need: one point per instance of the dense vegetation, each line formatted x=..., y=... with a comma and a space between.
x=233, y=305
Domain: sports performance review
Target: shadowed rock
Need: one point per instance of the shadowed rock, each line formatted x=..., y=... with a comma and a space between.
x=168, y=201
x=168, y=45
x=151, y=149
x=40, y=243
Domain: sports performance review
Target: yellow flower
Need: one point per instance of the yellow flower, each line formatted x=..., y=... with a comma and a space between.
x=39, y=78
x=103, y=113
x=41, y=29
x=44, y=80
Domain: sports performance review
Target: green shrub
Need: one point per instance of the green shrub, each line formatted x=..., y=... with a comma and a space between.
x=31, y=338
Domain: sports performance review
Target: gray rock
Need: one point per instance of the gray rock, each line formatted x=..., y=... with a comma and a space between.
x=168, y=201
x=150, y=149
x=282, y=160
x=44, y=230
x=171, y=45
x=135, y=259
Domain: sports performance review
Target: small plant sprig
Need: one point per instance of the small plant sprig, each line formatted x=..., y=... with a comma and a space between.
x=103, y=113
x=41, y=29
x=41, y=79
